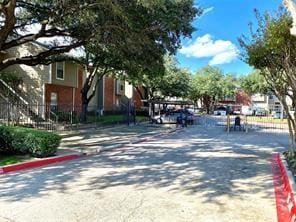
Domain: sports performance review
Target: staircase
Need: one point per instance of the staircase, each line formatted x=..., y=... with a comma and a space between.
x=15, y=108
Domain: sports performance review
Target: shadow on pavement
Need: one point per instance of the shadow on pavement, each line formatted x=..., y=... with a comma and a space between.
x=204, y=161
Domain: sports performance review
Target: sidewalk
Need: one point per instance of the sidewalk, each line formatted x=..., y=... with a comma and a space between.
x=92, y=141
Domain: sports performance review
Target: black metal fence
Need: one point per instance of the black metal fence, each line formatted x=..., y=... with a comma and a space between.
x=62, y=117
x=266, y=124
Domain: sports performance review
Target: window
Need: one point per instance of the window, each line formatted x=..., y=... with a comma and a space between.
x=60, y=70
x=53, y=100
x=119, y=88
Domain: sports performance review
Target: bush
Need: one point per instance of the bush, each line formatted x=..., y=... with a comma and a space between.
x=6, y=139
x=28, y=141
x=42, y=144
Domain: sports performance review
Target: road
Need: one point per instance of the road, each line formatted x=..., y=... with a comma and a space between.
x=199, y=174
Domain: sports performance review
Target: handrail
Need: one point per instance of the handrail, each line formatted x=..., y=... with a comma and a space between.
x=55, y=115
x=14, y=92
x=3, y=97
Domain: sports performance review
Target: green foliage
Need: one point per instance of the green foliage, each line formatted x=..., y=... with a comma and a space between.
x=210, y=85
x=42, y=144
x=171, y=81
x=211, y=82
x=290, y=157
x=9, y=159
x=28, y=141
x=272, y=50
x=254, y=83
x=135, y=41
x=156, y=26
x=11, y=78
x=175, y=82
x=6, y=139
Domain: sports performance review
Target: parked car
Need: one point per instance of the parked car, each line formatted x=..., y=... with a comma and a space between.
x=221, y=111
x=260, y=112
x=236, y=112
x=278, y=114
x=171, y=117
x=247, y=110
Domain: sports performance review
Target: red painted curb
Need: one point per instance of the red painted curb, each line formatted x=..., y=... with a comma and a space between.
x=37, y=163
x=285, y=203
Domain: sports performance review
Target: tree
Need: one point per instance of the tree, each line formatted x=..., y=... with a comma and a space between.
x=210, y=85
x=24, y=22
x=138, y=45
x=70, y=24
x=254, y=83
x=272, y=50
x=171, y=81
x=175, y=81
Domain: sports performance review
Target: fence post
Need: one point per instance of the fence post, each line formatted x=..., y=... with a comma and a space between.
x=8, y=113
x=246, y=123
x=128, y=112
x=228, y=123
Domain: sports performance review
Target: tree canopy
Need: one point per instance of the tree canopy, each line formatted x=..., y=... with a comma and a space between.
x=99, y=22
x=254, y=83
x=175, y=82
x=272, y=50
x=210, y=85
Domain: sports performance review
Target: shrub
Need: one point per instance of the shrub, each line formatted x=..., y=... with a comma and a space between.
x=42, y=144
x=6, y=139
x=28, y=141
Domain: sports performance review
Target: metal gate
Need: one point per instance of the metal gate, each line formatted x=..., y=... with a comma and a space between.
x=249, y=123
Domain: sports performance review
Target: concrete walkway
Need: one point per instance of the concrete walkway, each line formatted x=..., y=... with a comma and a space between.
x=196, y=175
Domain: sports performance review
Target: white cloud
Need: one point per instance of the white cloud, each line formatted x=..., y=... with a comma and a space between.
x=219, y=51
x=207, y=10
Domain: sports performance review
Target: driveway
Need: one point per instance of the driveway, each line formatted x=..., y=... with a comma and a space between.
x=200, y=174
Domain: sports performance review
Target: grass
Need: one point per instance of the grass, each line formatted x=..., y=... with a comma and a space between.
x=10, y=159
x=109, y=119
x=266, y=119
x=290, y=157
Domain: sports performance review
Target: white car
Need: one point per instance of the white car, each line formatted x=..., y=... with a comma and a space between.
x=278, y=115
x=220, y=112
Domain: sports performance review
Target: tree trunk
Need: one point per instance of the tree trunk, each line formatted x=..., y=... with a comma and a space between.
x=291, y=121
x=84, y=106
x=207, y=103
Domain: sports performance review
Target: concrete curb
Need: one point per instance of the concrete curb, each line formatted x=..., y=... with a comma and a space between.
x=283, y=189
x=37, y=163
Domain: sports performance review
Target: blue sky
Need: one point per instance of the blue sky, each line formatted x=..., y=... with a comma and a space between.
x=215, y=42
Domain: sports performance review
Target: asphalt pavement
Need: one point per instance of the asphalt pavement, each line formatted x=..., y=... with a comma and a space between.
x=199, y=174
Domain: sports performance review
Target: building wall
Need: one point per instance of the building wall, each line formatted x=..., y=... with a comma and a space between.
x=70, y=76
x=81, y=79
x=39, y=81
x=67, y=96
x=137, y=98
x=33, y=77
x=109, y=94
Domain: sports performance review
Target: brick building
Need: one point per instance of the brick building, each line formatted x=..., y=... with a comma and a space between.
x=57, y=84
x=113, y=94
